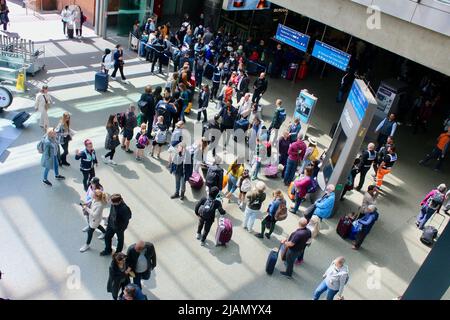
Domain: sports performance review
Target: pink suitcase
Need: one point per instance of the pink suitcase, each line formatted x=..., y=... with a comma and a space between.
x=271, y=171
x=224, y=231
x=196, y=181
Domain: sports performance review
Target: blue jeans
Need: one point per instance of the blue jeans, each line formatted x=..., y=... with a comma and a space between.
x=180, y=183
x=250, y=217
x=55, y=167
x=232, y=183
x=321, y=289
x=298, y=202
x=424, y=215
x=289, y=172
x=256, y=170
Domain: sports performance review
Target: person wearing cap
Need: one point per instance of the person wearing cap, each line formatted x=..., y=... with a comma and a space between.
x=334, y=280
x=88, y=162
x=364, y=225
x=324, y=205
x=206, y=209
x=119, y=273
x=255, y=199
x=42, y=103
x=49, y=158
x=118, y=219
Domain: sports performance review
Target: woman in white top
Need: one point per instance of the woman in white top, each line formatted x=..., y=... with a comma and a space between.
x=245, y=106
x=334, y=280
x=42, y=103
x=66, y=17
x=107, y=61
x=95, y=216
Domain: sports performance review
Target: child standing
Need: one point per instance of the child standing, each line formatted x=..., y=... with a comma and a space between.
x=141, y=142
x=245, y=185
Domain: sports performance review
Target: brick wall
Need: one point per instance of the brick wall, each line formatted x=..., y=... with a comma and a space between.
x=88, y=7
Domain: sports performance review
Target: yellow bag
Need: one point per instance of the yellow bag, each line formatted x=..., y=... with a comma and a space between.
x=314, y=155
x=188, y=109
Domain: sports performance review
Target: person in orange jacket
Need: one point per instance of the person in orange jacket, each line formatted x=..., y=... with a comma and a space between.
x=439, y=151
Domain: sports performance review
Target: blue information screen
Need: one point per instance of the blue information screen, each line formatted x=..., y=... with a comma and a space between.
x=292, y=37
x=358, y=100
x=331, y=55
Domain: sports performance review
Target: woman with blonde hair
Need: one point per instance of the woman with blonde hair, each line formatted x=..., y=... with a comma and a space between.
x=94, y=212
x=234, y=172
x=63, y=136
x=271, y=218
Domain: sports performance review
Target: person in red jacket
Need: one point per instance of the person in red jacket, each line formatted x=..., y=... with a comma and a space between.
x=296, y=153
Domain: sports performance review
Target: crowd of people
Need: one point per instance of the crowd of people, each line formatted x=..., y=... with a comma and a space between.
x=156, y=124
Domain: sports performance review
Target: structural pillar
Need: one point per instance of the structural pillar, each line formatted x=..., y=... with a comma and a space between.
x=212, y=9
x=432, y=280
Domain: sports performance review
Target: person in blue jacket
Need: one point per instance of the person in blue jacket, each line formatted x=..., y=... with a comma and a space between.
x=294, y=129
x=324, y=205
x=133, y=292
x=364, y=225
x=269, y=221
x=88, y=162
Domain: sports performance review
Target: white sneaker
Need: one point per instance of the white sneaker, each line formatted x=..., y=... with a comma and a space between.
x=104, y=159
x=112, y=162
x=85, y=229
x=113, y=78
x=126, y=81
x=101, y=237
x=84, y=248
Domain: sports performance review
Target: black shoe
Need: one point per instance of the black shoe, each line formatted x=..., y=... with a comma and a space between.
x=47, y=182
x=174, y=196
x=66, y=164
x=358, y=188
x=60, y=177
x=129, y=151
x=267, y=235
x=182, y=196
x=259, y=235
x=105, y=253
x=446, y=212
x=285, y=274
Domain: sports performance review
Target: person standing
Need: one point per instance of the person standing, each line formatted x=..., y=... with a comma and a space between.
x=141, y=259
x=324, y=205
x=160, y=136
x=118, y=63
x=118, y=275
x=182, y=169
x=279, y=116
x=255, y=199
x=66, y=17
x=367, y=159
x=260, y=87
x=159, y=46
x=385, y=128
x=244, y=185
x=229, y=116
x=431, y=204
x=94, y=213
x=242, y=85
x=301, y=189
x=128, y=129
x=294, y=246
x=64, y=135
x=119, y=217
x=112, y=139
x=283, y=148
x=364, y=225
x=49, y=158
x=334, y=280
x=107, y=61
x=88, y=162
x=203, y=102
x=245, y=106
x=217, y=75
x=423, y=116
x=147, y=107
x=42, y=104
x=381, y=154
x=296, y=153
x=386, y=165
x=294, y=129
x=199, y=68
x=4, y=11
x=206, y=209
x=270, y=220
x=439, y=151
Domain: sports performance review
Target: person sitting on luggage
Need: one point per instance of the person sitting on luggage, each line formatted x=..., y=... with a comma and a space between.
x=205, y=209
x=363, y=225
x=270, y=220
x=314, y=227
x=324, y=205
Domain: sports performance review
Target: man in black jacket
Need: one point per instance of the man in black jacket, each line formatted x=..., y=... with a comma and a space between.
x=242, y=86
x=146, y=105
x=205, y=209
x=159, y=46
x=119, y=216
x=141, y=259
x=260, y=87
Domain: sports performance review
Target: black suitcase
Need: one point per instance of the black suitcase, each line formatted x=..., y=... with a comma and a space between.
x=272, y=260
x=20, y=118
x=429, y=234
x=70, y=33
x=101, y=81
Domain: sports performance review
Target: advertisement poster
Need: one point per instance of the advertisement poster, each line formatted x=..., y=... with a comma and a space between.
x=232, y=5
x=304, y=106
x=385, y=99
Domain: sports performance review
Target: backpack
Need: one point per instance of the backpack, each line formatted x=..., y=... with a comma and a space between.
x=212, y=177
x=162, y=111
x=142, y=104
x=121, y=119
x=313, y=186
x=429, y=234
x=143, y=140
x=207, y=210
x=161, y=136
x=40, y=145
x=281, y=213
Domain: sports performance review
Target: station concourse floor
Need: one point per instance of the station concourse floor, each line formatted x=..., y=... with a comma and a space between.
x=40, y=227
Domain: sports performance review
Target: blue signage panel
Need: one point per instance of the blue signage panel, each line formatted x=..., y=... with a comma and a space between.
x=331, y=55
x=292, y=37
x=304, y=106
x=233, y=5
x=358, y=100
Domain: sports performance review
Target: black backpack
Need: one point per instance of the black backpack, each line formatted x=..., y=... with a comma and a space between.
x=429, y=234
x=212, y=177
x=207, y=210
x=162, y=111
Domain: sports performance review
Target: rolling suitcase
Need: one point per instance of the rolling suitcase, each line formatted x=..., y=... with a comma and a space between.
x=101, y=81
x=271, y=171
x=344, y=227
x=272, y=260
x=224, y=231
x=196, y=181
x=70, y=33
x=428, y=235
x=20, y=118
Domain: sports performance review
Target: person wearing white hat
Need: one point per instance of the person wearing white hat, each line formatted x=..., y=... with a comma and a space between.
x=311, y=154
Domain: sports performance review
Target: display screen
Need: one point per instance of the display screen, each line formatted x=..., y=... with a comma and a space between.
x=292, y=37
x=340, y=143
x=304, y=106
x=331, y=55
x=233, y=5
